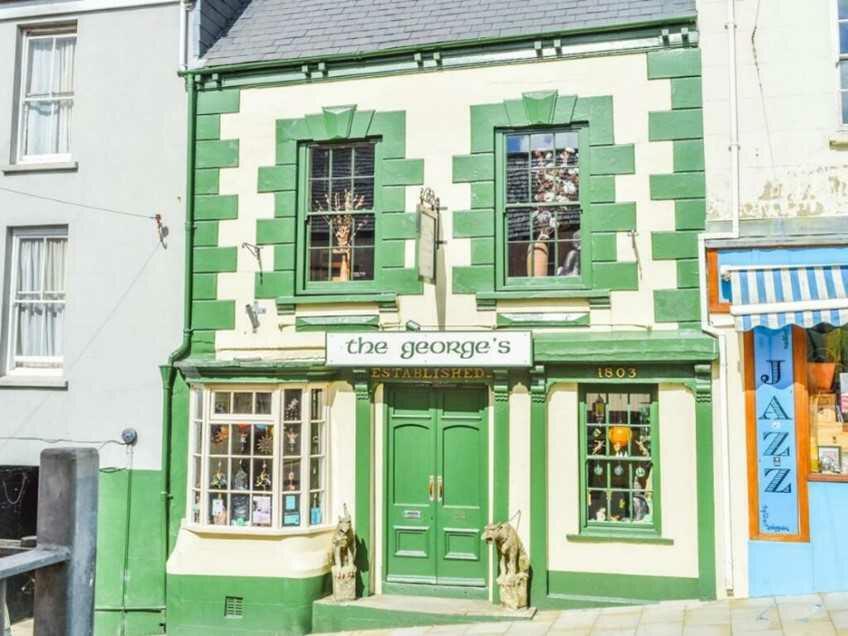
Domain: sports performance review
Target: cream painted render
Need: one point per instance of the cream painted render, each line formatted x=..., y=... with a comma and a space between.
x=789, y=109
x=437, y=128
x=678, y=490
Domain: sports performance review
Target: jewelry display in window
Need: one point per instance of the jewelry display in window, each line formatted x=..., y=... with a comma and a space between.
x=291, y=485
x=243, y=440
x=220, y=434
x=343, y=227
x=265, y=444
x=219, y=511
x=599, y=409
x=619, y=437
x=263, y=479
x=219, y=478
x=292, y=436
x=292, y=408
x=315, y=510
x=642, y=446
x=241, y=510
x=241, y=478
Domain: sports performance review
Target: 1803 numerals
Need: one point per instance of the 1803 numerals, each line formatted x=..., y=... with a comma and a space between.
x=616, y=372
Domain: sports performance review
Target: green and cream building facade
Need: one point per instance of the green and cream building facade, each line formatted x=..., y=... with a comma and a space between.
x=526, y=349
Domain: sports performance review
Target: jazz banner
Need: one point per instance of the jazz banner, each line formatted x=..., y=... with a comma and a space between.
x=777, y=453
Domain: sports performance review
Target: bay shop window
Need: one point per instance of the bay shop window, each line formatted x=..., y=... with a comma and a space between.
x=258, y=457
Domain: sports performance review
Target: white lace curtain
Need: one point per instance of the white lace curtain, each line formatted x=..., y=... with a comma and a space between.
x=40, y=299
x=48, y=95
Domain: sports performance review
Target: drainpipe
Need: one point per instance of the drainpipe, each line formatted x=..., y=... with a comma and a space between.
x=719, y=334
x=185, y=25
x=169, y=371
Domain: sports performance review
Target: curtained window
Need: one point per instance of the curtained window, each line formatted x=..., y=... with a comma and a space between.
x=47, y=95
x=37, y=321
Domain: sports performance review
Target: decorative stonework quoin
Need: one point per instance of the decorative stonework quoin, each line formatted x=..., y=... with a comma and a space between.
x=514, y=564
x=344, y=555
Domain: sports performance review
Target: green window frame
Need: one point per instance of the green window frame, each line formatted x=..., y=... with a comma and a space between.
x=507, y=282
x=621, y=478
x=306, y=215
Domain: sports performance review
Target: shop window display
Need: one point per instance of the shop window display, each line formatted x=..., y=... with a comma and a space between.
x=619, y=440
x=827, y=388
x=542, y=204
x=244, y=473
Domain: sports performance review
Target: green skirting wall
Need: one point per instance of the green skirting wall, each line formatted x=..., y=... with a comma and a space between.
x=129, y=592
x=270, y=606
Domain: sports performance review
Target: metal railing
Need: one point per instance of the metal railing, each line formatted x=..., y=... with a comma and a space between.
x=63, y=554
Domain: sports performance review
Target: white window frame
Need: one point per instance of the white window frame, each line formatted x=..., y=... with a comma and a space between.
x=38, y=365
x=36, y=33
x=208, y=418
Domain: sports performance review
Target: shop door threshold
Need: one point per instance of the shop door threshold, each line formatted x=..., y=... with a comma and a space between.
x=436, y=590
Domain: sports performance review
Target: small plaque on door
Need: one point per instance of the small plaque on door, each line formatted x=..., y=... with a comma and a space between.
x=411, y=514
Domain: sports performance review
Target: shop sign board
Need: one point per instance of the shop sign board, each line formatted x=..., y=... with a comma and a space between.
x=777, y=452
x=430, y=349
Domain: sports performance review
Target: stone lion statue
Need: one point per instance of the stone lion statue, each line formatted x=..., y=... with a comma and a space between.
x=513, y=557
x=344, y=542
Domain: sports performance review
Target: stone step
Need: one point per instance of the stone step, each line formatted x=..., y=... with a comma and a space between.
x=396, y=610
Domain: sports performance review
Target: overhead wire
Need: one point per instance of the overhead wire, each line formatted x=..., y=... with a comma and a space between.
x=78, y=204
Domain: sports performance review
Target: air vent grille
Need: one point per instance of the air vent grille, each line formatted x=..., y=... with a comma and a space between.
x=233, y=606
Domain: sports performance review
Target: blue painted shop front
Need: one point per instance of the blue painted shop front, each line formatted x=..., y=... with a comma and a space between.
x=791, y=304
x=779, y=568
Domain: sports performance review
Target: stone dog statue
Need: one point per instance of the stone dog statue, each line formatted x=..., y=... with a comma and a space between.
x=514, y=563
x=344, y=555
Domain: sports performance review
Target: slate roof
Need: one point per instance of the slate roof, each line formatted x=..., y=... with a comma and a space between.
x=298, y=29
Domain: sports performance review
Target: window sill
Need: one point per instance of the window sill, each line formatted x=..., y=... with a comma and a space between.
x=824, y=477
x=386, y=301
x=33, y=382
x=598, y=298
x=591, y=537
x=235, y=531
x=58, y=166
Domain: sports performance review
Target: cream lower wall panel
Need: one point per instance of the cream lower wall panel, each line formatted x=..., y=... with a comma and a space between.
x=519, y=461
x=296, y=557
x=678, y=492
x=342, y=460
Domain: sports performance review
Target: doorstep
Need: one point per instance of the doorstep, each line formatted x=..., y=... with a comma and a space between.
x=389, y=610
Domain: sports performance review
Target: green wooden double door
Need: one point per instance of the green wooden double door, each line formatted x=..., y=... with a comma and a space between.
x=436, y=485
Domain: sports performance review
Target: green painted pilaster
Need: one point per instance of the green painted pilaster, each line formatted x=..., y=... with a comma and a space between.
x=539, y=492
x=362, y=486
x=500, y=509
x=702, y=387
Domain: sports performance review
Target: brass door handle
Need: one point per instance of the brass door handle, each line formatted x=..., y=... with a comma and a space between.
x=430, y=488
x=441, y=488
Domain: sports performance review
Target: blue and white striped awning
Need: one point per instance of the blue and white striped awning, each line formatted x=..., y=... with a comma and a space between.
x=777, y=295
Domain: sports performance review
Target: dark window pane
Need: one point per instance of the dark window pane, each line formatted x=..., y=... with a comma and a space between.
x=843, y=75
x=363, y=229
x=517, y=178
x=518, y=225
x=518, y=257
x=568, y=221
x=364, y=160
x=843, y=37
x=320, y=166
x=342, y=161
x=339, y=189
x=319, y=231
x=363, y=263
x=363, y=192
x=318, y=197
x=843, y=9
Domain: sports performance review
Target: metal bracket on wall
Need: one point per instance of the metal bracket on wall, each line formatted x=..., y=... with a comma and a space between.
x=256, y=251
